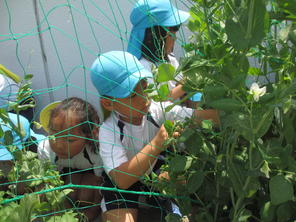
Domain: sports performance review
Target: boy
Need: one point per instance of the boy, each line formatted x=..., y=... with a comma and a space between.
x=132, y=137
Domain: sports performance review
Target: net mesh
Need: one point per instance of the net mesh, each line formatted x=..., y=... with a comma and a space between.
x=57, y=42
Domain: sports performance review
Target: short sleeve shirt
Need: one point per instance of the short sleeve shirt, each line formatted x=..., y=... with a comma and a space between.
x=86, y=159
x=118, y=146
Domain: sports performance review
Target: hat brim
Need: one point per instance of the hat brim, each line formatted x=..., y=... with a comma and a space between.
x=127, y=86
x=5, y=154
x=45, y=114
x=177, y=18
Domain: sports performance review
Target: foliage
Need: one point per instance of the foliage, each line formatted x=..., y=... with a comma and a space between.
x=28, y=192
x=246, y=169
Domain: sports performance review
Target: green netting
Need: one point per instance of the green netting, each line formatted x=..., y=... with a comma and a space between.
x=44, y=192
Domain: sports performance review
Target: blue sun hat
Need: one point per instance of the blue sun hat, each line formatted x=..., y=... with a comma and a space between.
x=116, y=74
x=196, y=97
x=149, y=13
x=17, y=141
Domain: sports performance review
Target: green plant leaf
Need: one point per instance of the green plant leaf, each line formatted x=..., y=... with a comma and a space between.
x=244, y=215
x=229, y=105
x=171, y=217
x=265, y=169
x=267, y=212
x=180, y=163
x=284, y=212
x=163, y=91
x=254, y=71
x=194, y=182
x=165, y=73
x=246, y=27
x=281, y=190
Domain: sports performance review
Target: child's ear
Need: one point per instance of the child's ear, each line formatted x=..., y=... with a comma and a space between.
x=107, y=104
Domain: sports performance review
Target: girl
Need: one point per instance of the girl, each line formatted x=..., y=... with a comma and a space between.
x=73, y=128
x=155, y=24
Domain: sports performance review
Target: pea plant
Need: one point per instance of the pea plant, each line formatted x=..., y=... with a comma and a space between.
x=242, y=58
x=27, y=191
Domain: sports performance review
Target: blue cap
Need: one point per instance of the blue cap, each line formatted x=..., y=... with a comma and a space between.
x=196, y=97
x=149, y=13
x=116, y=74
x=26, y=131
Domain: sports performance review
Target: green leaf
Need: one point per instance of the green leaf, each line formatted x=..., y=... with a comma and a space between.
x=171, y=217
x=267, y=212
x=265, y=169
x=214, y=92
x=284, y=212
x=8, y=137
x=163, y=91
x=207, y=124
x=281, y=190
x=244, y=215
x=246, y=27
x=194, y=182
x=165, y=73
x=28, y=76
x=194, y=143
x=169, y=127
x=255, y=71
x=186, y=134
x=180, y=163
x=226, y=105
x=68, y=216
x=1, y=132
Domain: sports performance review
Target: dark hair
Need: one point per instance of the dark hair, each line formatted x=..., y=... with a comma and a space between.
x=154, y=43
x=84, y=111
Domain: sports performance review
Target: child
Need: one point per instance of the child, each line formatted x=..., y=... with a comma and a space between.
x=72, y=126
x=155, y=24
x=132, y=138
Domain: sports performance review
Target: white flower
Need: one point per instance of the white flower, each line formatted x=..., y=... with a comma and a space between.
x=256, y=91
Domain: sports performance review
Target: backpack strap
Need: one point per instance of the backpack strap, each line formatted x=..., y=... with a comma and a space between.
x=56, y=159
x=120, y=124
x=85, y=154
x=150, y=119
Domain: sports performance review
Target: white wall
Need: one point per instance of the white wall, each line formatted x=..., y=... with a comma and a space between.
x=98, y=30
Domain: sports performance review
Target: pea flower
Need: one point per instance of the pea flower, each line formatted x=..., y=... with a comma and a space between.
x=256, y=91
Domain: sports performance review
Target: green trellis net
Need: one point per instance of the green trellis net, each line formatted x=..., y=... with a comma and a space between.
x=56, y=41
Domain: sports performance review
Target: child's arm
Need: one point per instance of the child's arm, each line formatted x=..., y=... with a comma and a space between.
x=207, y=114
x=177, y=92
x=129, y=172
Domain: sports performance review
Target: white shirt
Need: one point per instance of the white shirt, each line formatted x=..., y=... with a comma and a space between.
x=172, y=60
x=8, y=90
x=79, y=161
x=116, y=151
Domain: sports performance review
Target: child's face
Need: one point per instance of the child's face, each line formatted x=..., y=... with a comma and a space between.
x=66, y=143
x=134, y=107
x=170, y=41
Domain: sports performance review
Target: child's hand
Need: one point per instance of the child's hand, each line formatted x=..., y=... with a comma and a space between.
x=162, y=136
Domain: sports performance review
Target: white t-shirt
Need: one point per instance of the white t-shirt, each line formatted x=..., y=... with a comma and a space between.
x=172, y=60
x=86, y=159
x=8, y=90
x=118, y=146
